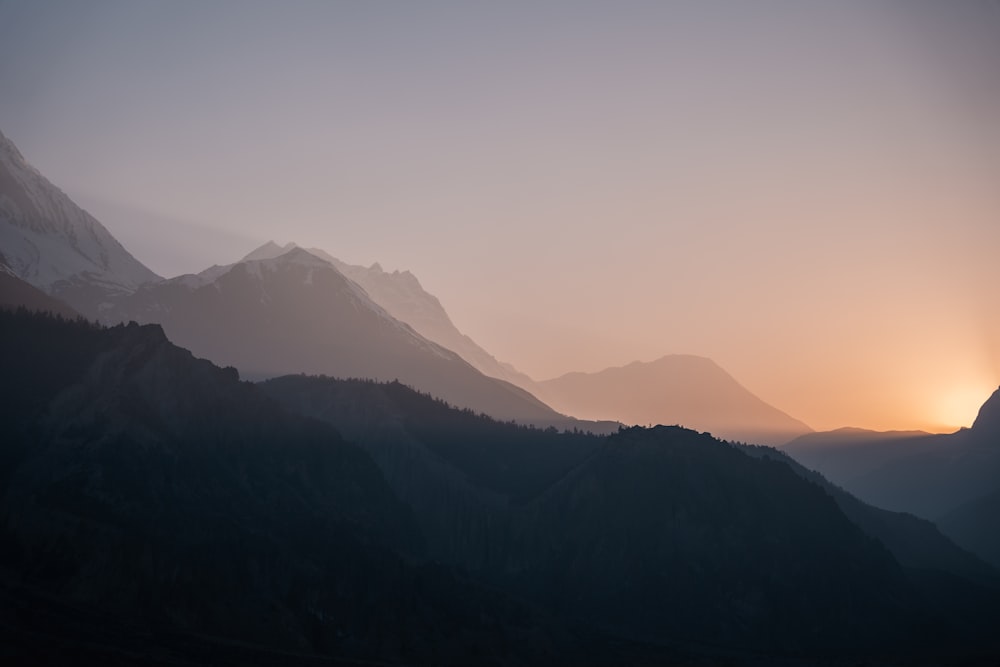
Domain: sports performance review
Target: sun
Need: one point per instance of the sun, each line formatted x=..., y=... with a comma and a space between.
x=959, y=405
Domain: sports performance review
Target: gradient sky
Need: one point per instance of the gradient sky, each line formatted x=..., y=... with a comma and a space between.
x=807, y=192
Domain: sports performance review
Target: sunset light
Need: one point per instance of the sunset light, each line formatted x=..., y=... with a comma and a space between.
x=522, y=333
x=958, y=407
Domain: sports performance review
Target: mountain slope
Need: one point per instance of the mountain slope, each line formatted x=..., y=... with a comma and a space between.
x=52, y=243
x=459, y=471
x=676, y=389
x=403, y=297
x=297, y=314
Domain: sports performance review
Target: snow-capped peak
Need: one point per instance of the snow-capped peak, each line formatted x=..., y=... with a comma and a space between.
x=46, y=238
x=269, y=250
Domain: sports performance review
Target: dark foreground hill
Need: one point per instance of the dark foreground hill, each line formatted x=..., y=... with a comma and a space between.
x=662, y=533
x=155, y=509
x=157, y=492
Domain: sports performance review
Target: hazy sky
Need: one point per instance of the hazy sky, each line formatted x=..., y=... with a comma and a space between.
x=807, y=192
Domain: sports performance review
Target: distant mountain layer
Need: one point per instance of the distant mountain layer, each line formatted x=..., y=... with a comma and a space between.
x=691, y=391
x=52, y=243
x=262, y=323
x=953, y=479
x=845, y=454
x=402, y=296
x=677, y=389
x=296, y=313
x=928, y=475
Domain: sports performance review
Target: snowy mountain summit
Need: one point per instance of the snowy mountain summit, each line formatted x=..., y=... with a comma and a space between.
x=50, y=242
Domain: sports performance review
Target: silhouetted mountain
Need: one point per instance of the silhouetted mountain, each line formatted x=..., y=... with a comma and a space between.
x=153, y=490
x=16, y=293
x=987, y=424
x=677, y=389
x=296, y=313
x=927, y=475
x=458, y=470
x=402, y=296
x=848, y=453
x=663, y=534
x=154, y=500
x=52, y=243
x=668, y=533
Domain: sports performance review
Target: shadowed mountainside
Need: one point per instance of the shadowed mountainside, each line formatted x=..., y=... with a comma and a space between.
x=975, y=525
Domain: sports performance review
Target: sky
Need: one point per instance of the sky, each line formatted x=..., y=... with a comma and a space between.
x=807, y=192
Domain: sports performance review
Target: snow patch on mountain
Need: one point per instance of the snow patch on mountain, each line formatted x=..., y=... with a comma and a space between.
x=46, y=238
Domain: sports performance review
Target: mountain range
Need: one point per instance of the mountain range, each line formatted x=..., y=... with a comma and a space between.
x=159, y=492
x=296, y=313
x=386, y=492
x=393, y=328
